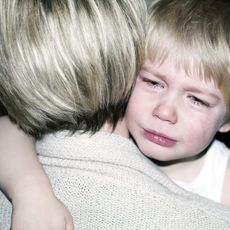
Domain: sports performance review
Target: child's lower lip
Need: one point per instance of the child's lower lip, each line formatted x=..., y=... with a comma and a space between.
x=159, y=139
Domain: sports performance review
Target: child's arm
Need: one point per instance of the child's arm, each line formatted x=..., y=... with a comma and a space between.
x=23, y=180
x=226, y=188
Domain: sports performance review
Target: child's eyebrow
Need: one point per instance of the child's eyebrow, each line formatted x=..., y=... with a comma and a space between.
x=202, y=90
x=159, y=75
x=152, y=71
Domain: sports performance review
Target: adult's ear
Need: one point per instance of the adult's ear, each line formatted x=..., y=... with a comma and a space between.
x=225, y=128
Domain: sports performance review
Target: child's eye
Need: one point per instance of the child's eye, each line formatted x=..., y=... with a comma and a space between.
x=197, y=101
x=153, y=83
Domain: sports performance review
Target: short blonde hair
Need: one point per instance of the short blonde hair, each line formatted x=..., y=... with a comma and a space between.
x=69, y=64
x=196, y=34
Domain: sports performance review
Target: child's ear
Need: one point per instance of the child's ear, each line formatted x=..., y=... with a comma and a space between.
x=225, y=128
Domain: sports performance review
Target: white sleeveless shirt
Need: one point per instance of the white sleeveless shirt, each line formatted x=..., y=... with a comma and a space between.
x=209, y=182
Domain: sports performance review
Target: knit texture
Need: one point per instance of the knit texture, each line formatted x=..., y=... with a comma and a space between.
x=106, y=183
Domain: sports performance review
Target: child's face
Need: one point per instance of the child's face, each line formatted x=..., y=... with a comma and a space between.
x=171, y=115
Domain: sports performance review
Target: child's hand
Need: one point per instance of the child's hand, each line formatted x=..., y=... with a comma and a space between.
x=36, y=209
x=24, y=181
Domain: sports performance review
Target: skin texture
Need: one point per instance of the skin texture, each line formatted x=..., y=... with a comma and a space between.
x=173, y=118
x=171, y=115
x=26, y=184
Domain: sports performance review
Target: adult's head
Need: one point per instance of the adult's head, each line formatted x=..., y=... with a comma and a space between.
x=69, y=64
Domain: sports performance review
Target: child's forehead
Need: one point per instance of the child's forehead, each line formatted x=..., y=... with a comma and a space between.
x=170, y=66
x=196, y=58
x=193, y=70
x=190, y=53
x=188, y=65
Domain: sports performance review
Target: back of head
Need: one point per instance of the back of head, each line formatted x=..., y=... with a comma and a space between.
x=69, y=64
x=196, y=35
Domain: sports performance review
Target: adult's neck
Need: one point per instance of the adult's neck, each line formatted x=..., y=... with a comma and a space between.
x=120, y=129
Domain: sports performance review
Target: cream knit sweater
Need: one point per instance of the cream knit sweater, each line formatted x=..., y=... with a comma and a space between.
x=108, y=184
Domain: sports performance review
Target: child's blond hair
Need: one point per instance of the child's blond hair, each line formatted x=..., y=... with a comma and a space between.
x=196, y=35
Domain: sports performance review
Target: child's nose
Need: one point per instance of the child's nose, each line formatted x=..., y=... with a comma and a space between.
x=165, y=110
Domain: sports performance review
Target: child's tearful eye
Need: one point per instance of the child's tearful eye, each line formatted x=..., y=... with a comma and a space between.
x=152, y=83
x=198, y=102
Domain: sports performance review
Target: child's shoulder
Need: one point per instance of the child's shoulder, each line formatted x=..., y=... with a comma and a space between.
x=220, y=147
x=226, y=185
x=220, y=153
